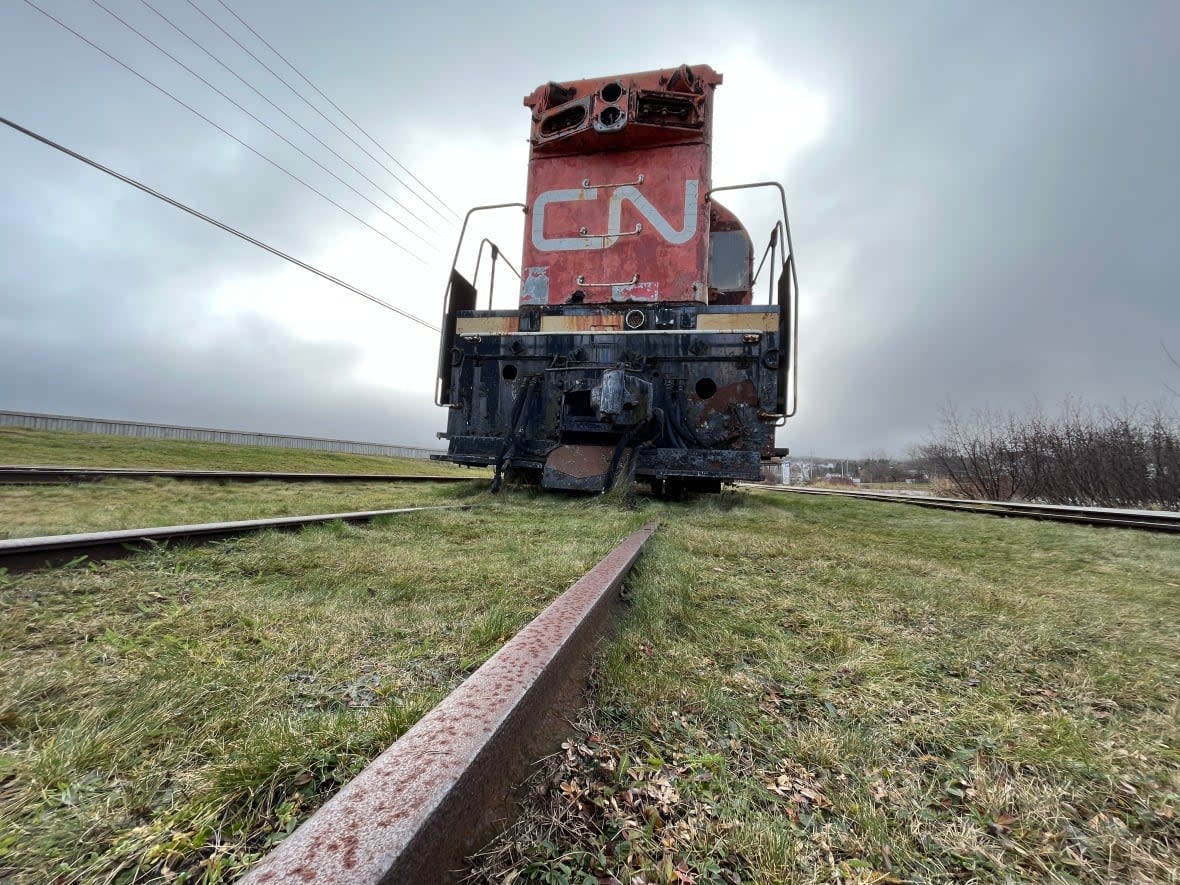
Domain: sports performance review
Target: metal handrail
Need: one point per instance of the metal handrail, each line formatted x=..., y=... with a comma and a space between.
x=789, y=265
x=775, y=233
x=454, y=263
x=497, y=253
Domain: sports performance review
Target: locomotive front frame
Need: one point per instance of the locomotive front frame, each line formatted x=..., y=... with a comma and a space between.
x=604, y=375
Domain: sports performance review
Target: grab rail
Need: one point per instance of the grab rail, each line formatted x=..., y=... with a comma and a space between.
x=792, y=294
x=444, y=342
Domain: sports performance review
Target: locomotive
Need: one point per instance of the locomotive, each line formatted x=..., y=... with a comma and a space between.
x=636, y=349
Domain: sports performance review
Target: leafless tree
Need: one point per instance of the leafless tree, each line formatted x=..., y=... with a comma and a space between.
x=1128, y=457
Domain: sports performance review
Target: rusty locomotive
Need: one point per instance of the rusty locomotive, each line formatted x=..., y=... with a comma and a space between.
x=637, y=348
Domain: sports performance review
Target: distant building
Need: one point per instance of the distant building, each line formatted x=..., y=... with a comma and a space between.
x=777, y=471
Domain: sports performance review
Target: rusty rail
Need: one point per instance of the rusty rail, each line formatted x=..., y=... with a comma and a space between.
x=429, y=801
x=1144, y=520
x=23, y=554
x=18, y=475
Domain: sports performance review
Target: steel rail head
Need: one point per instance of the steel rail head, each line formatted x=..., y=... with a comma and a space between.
x=426, y=803
x=1143, y=520
x=23, y=554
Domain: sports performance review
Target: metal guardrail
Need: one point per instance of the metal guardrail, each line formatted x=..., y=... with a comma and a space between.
x=144, y=430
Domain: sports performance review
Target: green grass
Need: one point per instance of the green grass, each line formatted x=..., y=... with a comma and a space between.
x=171, y=716
x=28, y=510
x=807, y=689
x=913, y=488
x=20, y=446
x=798, y=689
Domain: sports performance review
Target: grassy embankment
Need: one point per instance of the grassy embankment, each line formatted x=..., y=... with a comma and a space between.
x=27, y=511
x=800, y=689
x=20, y=446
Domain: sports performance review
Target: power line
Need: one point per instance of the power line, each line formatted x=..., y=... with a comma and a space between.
x=224, y=131
x=225, y=227
x=339, y=110
x=304, y=99
x=261, y=95
x=260, y=122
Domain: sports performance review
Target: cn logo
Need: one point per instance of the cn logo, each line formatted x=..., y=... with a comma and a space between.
x=625, y=194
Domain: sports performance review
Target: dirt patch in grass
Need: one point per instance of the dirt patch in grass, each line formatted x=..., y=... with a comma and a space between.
x=31, y=510
x=21, y=446
x=809, y=689
x=171, y=716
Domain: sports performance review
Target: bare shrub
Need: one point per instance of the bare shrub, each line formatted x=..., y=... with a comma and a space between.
x=1128, y=457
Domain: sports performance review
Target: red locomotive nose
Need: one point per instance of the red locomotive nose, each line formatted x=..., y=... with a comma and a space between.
x=618, y=172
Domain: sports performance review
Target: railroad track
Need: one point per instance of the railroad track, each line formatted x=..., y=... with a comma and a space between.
x=23, y=554
x=1144, y=520
x=18, y=475
x=421, y=808
x=432, y=798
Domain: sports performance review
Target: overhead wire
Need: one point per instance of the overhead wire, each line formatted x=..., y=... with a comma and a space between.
x=267, y=99
x=339, y=110
x=220, y=224
x=262, y=123
x=224, y=131
x=333, y=123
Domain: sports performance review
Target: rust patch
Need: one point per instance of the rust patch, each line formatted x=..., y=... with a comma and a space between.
x=487, y=325
x=583, y=323
x=350, y=842
x=751, y=321
x=578, y=468
x=580, y=462
x=738, y=393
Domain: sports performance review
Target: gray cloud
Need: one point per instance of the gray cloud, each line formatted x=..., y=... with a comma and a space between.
x=1006, y=205
x=277, y=383
x=989, y=216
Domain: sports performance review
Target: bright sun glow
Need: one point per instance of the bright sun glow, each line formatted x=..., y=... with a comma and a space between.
x=761, y=120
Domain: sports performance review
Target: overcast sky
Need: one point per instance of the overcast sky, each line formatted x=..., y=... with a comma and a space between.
x=984, y=197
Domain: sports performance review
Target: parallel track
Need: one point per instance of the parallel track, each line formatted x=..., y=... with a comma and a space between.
x=16, y=475
x=23, y=554
x=1144, y=520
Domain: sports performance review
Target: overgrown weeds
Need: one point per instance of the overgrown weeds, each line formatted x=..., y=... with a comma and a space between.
x=801, y=689
x=171, y=716
x=842, y=691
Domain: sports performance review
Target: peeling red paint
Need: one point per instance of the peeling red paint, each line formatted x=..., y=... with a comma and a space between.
x=738, y=393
